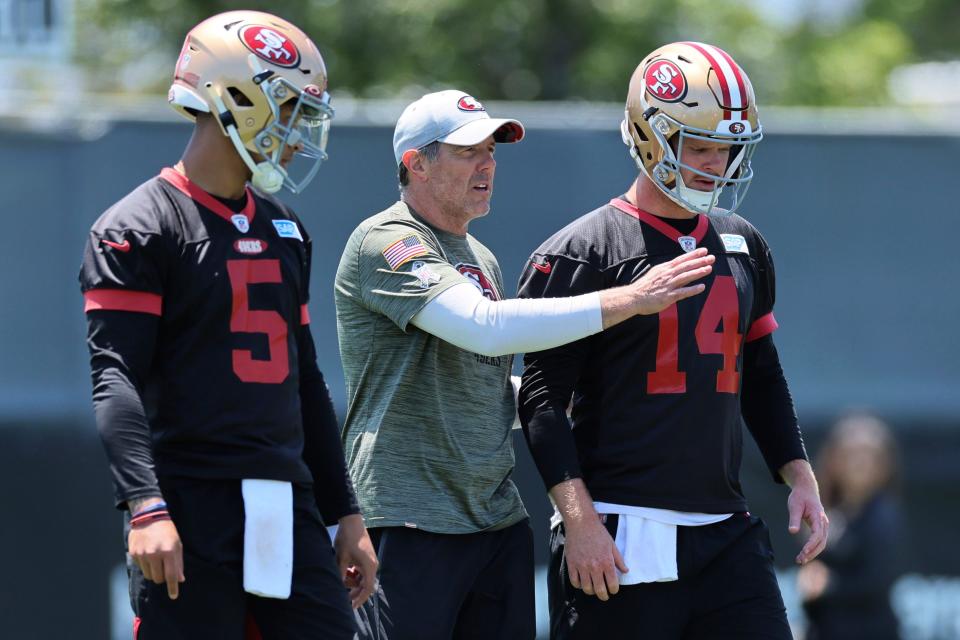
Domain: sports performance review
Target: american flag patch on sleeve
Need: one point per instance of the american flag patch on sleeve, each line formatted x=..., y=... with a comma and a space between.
x=403, y=250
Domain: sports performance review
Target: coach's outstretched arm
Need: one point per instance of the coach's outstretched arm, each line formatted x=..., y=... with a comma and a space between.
x=462, y=316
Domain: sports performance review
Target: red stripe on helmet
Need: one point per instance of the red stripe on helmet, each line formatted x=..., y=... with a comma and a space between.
x=724, y=88
x=741, y=85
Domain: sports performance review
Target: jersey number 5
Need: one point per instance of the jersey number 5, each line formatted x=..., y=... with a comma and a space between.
x=275, y=369
x=721, y=305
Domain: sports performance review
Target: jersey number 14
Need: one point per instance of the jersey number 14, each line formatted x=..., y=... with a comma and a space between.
x=721, y=306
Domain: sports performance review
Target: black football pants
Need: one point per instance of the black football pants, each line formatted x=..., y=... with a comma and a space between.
x=727, y=590
x=462, y=586
x=212, y=603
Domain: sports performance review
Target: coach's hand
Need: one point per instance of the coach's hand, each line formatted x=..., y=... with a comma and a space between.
x=803, y=505
x=665, y=284
x=157, y=550
x=658, y=288
x=356, y=558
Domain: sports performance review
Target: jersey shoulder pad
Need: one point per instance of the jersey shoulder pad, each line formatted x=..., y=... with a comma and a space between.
x=590, y=239
x=146, y=210
x=740, y=236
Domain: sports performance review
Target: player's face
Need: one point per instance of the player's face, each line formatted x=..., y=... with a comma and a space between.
x=705, y=156
x=461, y=179
x=286, y=110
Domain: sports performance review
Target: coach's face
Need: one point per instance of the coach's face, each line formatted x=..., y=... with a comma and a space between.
x=461, y=179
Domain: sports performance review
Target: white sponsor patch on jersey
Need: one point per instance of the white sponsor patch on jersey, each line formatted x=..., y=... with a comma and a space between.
x=287, y=229
x=734, y=243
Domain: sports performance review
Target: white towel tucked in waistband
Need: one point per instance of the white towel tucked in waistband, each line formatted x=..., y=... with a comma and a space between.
x=647, y=539
x=649, y=549
x=268, y=538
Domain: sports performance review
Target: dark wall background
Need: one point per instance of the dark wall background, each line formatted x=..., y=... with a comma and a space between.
x=861, y=228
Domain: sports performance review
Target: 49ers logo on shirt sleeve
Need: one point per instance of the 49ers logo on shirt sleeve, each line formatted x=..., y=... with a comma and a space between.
x=665, y=81
x=475, y=275
x=250, y=246
x=270, y=45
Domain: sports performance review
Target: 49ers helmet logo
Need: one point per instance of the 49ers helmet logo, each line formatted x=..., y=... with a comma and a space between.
x=665, y=81
x=469, y=103
x=476, y=276
x=270, y=45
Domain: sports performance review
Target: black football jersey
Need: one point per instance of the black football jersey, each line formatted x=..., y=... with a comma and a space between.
x=200, y=309
x=656, y=399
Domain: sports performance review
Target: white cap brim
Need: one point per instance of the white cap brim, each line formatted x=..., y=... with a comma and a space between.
x=476, y=131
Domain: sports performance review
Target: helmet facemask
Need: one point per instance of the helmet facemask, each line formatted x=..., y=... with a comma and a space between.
x=671, y=137
x=305, y=128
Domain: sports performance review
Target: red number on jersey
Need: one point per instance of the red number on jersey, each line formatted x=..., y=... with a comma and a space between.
x=245, y=320
x=667, y=378
x=720, y=307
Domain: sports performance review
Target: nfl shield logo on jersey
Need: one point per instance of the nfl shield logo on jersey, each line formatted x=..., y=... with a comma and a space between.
x=687, y=243
x=241, y=222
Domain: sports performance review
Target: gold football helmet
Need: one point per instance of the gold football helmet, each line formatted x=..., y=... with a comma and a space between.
x=242, y=67
x=690, y=90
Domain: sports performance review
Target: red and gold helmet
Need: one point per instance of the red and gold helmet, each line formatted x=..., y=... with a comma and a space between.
x=242, y=67
x=690, y=90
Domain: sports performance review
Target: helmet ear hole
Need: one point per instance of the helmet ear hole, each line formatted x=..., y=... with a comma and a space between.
x=640, y=132
x=239, y=97
x=735, y=151
x=674, y=142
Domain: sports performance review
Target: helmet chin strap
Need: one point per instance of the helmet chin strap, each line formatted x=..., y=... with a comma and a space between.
x=265, y=176
x=703, y=201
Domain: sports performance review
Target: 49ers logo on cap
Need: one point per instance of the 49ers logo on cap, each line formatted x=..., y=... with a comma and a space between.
x=665, y=81
x=270, y=45
x=314, y=90
x=737, y=127
x=469, y=103
x=476, y=276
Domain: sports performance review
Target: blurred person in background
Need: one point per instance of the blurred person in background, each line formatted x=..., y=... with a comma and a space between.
x=218, y=426
x=846, y=592
x=652, y=537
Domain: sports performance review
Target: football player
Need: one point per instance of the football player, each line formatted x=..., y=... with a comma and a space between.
x=218, y=426
x=646, y=483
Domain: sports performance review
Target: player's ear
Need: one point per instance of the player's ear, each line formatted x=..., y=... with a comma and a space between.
x=414, y=161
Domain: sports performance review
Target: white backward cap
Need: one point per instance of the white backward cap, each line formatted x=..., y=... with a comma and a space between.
x=453, y=117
